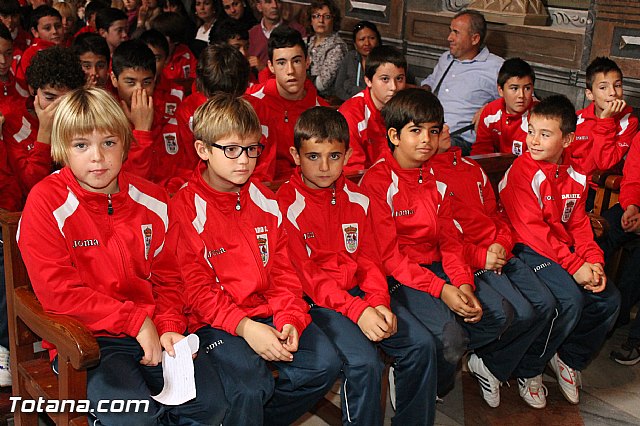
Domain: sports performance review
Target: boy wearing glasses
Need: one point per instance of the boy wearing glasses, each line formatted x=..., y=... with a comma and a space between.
x=243, y=297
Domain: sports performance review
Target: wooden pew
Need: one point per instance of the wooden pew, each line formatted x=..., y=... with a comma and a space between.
x=28, y=323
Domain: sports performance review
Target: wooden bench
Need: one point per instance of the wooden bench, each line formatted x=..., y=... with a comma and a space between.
x=28, y=323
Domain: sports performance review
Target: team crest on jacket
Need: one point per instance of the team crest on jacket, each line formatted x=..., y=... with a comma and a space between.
x=170, y=143
x=263, y=246
x=568, y=209
x=516, y=148
x=350, y=234
x=147, y=235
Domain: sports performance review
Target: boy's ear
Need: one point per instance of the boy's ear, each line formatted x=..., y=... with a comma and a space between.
x=114, y=79
x=500, y=91
x=394, y=136
x=34, y=32
x=270, y=65
x=589, y=94
x=294, y=153
x=568, y=139
x=347, y=155
x=308, y=62
x=202, y=149
x=102, y=32
x=367, y=82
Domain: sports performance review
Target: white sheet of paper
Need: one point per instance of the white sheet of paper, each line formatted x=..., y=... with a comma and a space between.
x=179, y=379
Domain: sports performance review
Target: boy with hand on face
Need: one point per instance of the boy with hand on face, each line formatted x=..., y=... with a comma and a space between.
x=385, y=75
x=543, y=194
x=332, y=248
x=503, y=125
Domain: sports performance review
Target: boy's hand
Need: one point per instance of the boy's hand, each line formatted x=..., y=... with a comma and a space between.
x=599, y=278
x=585, y=275
x=373, y=324
x=473, y=302
x=613, y=108
x=390, y=318
x=496, y=258
x=254, y=62
x=148, y=339
x=458, y=301
x=631, y=219
x=45, y=119
x=264, y=340
x=141, y=112
x=444, y=140
x=168, y=339
x=290, y=337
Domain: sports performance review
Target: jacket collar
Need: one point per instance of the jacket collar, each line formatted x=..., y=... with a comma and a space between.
x=224, y=201
x=95, y=200
x=321, y=195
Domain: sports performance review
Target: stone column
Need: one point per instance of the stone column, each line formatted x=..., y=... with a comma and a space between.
x=515, y=12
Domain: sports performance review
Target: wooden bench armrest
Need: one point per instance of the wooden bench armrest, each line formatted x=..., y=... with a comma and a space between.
x=72, y=339
x=607, y=179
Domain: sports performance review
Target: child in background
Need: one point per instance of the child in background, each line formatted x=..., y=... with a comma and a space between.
x=503, y=125
x=543, y=194
x=221, y=68
x=94, y=241
x=111, y=24
x=332, y=248
x=385, y=75
x=93, y=53
x=46, y=28
x=281, y=100
x=180, y=66
x=226, y=220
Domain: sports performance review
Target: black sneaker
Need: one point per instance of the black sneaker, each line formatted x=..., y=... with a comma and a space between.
x=629, y=353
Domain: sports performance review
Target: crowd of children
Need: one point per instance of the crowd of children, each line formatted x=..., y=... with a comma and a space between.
x=139, y=160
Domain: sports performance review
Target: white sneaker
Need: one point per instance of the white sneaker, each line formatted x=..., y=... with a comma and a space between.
x=5, y=373
x=568, y=379
x=533, y=391
x=489, y=385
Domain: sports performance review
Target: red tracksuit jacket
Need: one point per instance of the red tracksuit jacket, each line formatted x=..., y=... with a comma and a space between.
x=184, y=118
x=499, y=131
x=413, y=226
x=600, y=144
x=367, y=131
x=29, y=159
x=278, y=116
x=181, y=65
x=630, y=186
x=233, y=255
x=473, y=205
x=545, y=205
x=331, y=245
x=108, y=271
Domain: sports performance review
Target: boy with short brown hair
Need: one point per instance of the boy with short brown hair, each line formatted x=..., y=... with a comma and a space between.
x=543, y=194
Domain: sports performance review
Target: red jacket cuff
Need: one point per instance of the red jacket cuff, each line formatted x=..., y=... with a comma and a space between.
x=134, y=322
x=300, y=322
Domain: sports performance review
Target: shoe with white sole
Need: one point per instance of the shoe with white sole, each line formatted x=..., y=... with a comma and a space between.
x=489, y=385
x=568, y=379
x=5, y=373
x=533, y=391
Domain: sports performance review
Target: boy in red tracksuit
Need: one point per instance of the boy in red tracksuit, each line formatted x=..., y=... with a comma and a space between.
x=543, y=195
x=180, y=67
x=605, y=127
x=385, y=75
x=220, y=69
x=503, y=125
x=10, y=17
x=419, y=245
x=156, y=155
x=94, y=241
x=46, y=27
x=27, y=128
x=487, y=244
x=281, y=100
x=337, y=262
x=243, y=297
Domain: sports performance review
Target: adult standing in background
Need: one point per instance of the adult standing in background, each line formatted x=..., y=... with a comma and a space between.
x=464, y=78
x=326, y=48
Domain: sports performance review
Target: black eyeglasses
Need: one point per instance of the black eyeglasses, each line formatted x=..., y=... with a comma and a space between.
x=234, y=151
x=326, y=16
